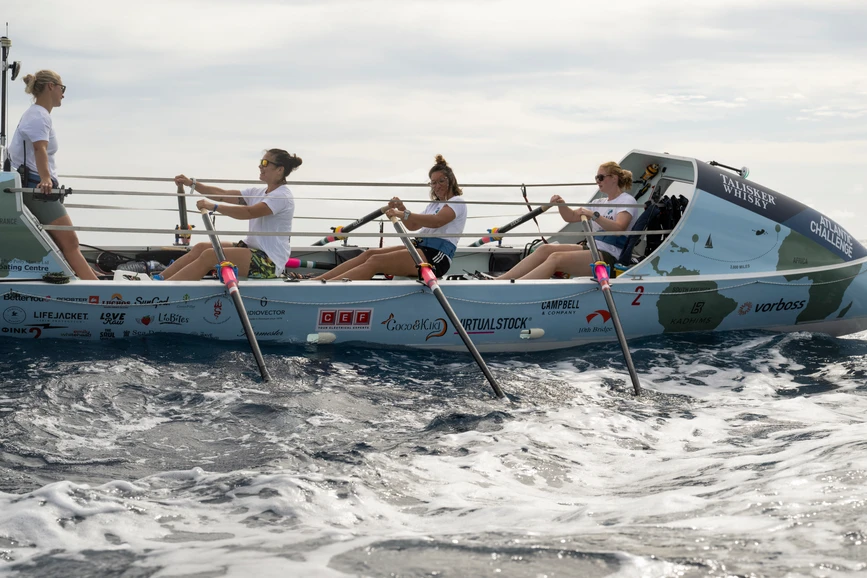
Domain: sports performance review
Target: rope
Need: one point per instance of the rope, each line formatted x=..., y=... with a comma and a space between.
x=329, y=303
x=109, y=304
x=522, y=302
x=738, y=286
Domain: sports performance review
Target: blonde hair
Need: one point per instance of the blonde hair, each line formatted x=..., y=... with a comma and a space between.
x=624, y=177
x=35, y=83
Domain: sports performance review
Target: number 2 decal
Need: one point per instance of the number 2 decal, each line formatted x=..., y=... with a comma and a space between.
x=640, y=291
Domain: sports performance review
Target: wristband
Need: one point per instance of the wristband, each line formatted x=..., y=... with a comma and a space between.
x=406, y=214
x=193, y=185
x=214, y=210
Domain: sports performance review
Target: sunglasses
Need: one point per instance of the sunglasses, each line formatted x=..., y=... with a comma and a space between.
x=62, y=87
x=600, y=178
x=265, y=162
x=442, y=181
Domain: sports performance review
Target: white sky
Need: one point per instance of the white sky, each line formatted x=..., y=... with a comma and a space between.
x=507, y=91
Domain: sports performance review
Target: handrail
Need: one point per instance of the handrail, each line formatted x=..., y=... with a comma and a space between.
x=318, y=183
x=353, y=234
x=297, y=198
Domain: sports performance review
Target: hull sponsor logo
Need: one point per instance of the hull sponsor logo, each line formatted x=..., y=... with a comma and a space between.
x=780, y=306
x=560, y=307
x=605, y=315
x=112, y=318
x=745, y=308
x=434, y=327
x=61, y=315
x=107, y=334
x=18, y=297
x=216, y=313
x=14, y=315
x=492, y=324
x=344, y=319
x=155, y=301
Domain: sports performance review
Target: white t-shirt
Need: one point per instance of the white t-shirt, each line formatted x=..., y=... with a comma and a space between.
x=608, y=208
x=453, y=227
x=282, y=205
x=35, y=126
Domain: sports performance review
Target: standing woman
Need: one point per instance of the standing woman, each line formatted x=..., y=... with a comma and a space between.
x=269, y=209
x=444, y=217
x=32, y=150
x=606, y=214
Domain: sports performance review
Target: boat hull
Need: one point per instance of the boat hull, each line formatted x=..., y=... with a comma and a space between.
x=499, y=316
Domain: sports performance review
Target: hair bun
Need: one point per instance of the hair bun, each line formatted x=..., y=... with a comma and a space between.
x=28, y=78
x=440, y=160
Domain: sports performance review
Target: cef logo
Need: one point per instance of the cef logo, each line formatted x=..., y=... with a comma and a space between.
x=344, y=319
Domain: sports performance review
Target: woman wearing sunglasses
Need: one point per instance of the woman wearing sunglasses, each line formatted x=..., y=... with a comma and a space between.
x=268, y=209
x=443, y=219
x=605, y=215
x=32, y=151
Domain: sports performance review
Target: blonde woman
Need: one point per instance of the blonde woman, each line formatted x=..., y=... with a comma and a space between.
x=32, y=151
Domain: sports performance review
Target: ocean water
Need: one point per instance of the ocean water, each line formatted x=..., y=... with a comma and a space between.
x=168, y=457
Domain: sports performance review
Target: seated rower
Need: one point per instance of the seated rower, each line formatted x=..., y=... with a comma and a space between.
x=269, y=208
x=605, y=215
x=445, y=216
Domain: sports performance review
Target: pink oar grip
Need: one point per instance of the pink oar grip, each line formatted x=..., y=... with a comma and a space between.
x=293, y=263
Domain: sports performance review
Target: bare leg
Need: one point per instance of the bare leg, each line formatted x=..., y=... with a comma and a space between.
x=390, y=263
x=67, y=242
x=193, y=254
x=338, y=272
x=535, y=259
x=199, y=267
x=575, y=263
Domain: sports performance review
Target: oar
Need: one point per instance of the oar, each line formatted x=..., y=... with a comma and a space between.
x=430, y=280
x=350, y=227
x=601, y=271
x=505, y=228
x=227, y=273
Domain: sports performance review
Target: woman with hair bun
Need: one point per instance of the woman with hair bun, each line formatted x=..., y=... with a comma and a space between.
x=444, y=217
x=32, y=151
x=604, y=215
x=269, y=209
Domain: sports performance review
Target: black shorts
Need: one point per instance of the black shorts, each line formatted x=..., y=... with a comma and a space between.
x=609, y=259
x=438, y=260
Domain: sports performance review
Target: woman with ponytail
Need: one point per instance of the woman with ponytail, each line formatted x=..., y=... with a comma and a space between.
x=444, y=217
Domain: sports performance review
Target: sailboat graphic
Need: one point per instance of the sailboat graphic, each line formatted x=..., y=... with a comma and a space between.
x=708, y=244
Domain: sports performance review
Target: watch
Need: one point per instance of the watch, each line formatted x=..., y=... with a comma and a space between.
x=595, y=215
x=406, y=214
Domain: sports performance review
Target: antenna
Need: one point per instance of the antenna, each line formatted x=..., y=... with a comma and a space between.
x=15, y=68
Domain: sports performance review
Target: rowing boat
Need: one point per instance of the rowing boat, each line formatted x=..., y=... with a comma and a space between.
x=741, y=256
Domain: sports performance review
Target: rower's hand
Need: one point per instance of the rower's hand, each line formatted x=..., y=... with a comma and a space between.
x=396, y=203
x=557, y=199
x=183, y=180
x=45, y=185
x=205, y=204
x=394, y=213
